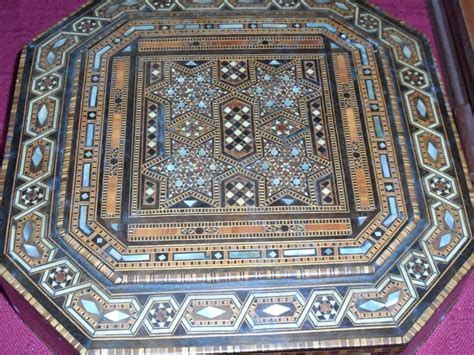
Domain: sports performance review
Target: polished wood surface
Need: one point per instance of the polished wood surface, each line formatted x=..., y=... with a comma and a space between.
x=457, y=58
x=468, y=12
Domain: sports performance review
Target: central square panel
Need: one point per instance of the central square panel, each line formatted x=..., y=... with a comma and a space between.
x=236, y=135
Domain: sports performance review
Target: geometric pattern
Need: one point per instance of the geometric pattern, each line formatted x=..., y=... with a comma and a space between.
x=185, y=160
x=191, y=128
x=60, y=278
x=265, y=313
x=238, y=137
x=279, y=89
x=240, y=192
x=419, y=269
x=152, y=130
x=161, y=315
x=326, y=308
x=283, y=127
x=319, y=127
x=180, y=178
x=287, y=167
x=189, y=90
x=32, y=195
x=234, y=72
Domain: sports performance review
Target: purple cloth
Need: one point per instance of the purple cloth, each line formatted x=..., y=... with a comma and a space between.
x=22, y=20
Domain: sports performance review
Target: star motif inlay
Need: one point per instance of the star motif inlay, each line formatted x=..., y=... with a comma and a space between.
x=279, y=89
x=190, y=168
x=287, y=167
x=187, y=92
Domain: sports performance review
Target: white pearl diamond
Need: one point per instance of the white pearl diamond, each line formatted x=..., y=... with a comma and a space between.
x=210, y=312
x=116, y=316
x=276, y=310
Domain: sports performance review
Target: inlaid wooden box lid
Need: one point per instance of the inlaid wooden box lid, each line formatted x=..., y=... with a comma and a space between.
x=216, y=176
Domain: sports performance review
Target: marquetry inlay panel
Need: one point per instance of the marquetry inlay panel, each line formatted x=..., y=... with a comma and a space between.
x=232, y=172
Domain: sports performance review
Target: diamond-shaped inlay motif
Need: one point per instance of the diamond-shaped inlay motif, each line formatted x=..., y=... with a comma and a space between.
x=421, y=108
x=150, y=193
x=319, y=129
x=404, y=46
x=449, y=220
x=116, y=316
x=43, y=114
x=210, y=312
x=31, y=247
x=434, y=148
x=32, y=251
x=444, y=240
x=433, y=151
x=220, y=314
x=276, y=310
x=101, y=314
x=156, y=72
x=279, y=312
x=152, y=133
x=91, y=307
x=37, y=156
x=374, y=305
x=28, y=229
